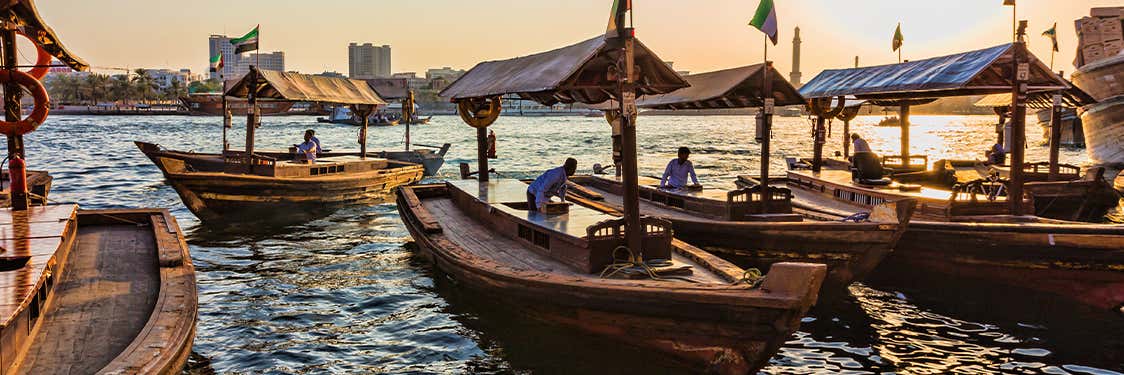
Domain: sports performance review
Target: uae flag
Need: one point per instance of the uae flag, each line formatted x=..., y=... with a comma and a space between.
x=765, y=19
x=616, y=17
x=898, y=38
x=248, y=42
x=216, y=63
x=1052, y=33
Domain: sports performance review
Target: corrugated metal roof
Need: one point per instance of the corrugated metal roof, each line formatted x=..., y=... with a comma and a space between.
x=26, y=17
x=306, y=88
x=1072, y=97
x=576, y=73
x=978, y=72
x=730, y=88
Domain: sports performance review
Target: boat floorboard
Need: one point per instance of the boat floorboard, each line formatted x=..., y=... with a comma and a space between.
x=108, y=291
x=483, y=242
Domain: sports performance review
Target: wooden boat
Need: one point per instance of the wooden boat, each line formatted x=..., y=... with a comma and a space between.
x=1102, y=79
x=38, y=186
x=657, y=293
x=1104, y=132
x=143, y=303
x=342, y=115
x=251, y=185
x=725, y=223
x=893, y=121
x=478, y=234
x=969, y=229
x=88, y=291
x=432, y=158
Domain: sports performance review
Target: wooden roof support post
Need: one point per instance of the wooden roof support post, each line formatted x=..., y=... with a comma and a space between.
x=1055, y=136
x=903, y=121
x=634, y=232
x=821, y=107
x=251, y=117
x=766, y=130
x=482, y=153
x=1018, y=121
x=12, y=112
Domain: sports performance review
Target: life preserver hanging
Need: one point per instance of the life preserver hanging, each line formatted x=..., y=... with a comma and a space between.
x=42, y=103
x=479, y=112
x=42, y=59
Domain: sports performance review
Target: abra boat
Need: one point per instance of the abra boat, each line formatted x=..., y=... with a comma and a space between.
x=38, y=186
x=210, y=104
x=86, y=291
x=250, y=183
x=751, y=225
x=969, y=228
x=586, y=270
x=342, y=115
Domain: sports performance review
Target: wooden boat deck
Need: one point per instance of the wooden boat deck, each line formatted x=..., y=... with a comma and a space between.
x=470, y=235
x=105, y=295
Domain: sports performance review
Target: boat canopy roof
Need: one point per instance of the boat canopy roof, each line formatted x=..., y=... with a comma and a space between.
x=1073, y=98
x=730, y=88
x=27, y=20
x=298, y=87
x=577, y=73
x=390, y=88
x=979, y=72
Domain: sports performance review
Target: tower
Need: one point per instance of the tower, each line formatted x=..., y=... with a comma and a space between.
x=794, y=77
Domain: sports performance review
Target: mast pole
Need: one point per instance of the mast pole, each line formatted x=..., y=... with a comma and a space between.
x=903, y=122
x=1018, y=121
x=13, y=113
x=251, y=116
x=1055, y=137
x=634, y=232
x=766, y=126
x=225, y=113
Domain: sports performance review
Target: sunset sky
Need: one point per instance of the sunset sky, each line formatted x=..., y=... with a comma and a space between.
x=698, y=35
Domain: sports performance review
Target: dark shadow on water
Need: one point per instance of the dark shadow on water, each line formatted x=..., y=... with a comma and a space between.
x=253, y=226
x=527, y=345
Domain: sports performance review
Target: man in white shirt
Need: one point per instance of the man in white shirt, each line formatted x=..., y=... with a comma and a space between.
x=311, y=146
x=675, y=175
x=550, y=184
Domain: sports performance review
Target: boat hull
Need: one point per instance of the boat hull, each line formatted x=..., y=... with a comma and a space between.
x=1102, y=79
x=1104, y=133
x=716, y=335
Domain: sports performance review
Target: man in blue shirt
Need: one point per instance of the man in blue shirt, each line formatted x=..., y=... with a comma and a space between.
x=550, y=184
x=675, y=175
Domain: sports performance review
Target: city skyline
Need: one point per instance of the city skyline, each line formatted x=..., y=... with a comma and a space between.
x=700, y=37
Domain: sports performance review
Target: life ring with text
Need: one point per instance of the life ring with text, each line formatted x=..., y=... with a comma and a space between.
x=42, y=60
x=42, y=103
x=479, y=112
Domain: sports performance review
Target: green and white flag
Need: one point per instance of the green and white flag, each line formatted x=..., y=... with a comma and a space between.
x=1052, y=33
x=248, y=42
x=216, y=62
x=765, y=19
x=898, y=38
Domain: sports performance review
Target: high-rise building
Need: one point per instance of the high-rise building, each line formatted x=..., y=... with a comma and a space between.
x=447, y=73
x=794, y=77
x=368, y=61
x=221, y=43
x=264, y=61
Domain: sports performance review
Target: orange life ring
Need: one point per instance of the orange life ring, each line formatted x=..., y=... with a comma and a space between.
x=42, y=60
x=42, y=103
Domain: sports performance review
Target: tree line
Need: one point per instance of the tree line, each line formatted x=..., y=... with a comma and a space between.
x=138, y=87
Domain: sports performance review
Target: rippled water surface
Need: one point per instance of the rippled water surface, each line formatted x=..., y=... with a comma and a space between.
x=343, y=293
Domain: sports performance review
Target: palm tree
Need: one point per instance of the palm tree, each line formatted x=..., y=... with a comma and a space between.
x=96, y=87
x=120, y=89
x=144, y=84
x=175, y=90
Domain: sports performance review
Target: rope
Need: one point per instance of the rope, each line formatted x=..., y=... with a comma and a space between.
x=753, y=277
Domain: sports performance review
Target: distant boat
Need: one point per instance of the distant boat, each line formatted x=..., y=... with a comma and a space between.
x=342, y=115
x=890, y=121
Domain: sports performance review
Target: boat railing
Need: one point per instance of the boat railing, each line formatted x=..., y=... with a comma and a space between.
x=238, y=162
x=1039, y=170
x=897, y=163
x=606, y=236
x=750, y=200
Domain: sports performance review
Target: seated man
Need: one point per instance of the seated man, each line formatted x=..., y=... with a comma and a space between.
x=996, y=155
x=675, y=175
x=310, y=148
x=859, y=144
x=550, y=184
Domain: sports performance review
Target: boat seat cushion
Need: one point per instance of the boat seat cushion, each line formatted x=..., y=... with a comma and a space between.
x=874, y=182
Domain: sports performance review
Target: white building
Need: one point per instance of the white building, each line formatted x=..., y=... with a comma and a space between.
x=221, y=43
x=164, y=77
x=264, y=61
x=449, y=74
x=368, y=61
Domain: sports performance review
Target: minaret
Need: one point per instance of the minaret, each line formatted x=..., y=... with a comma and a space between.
x=794, y=77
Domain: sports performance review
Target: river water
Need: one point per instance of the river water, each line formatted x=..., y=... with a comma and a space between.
x=344, y=294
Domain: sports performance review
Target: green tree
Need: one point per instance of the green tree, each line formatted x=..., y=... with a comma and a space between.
x=210, y=85
x=144, y=86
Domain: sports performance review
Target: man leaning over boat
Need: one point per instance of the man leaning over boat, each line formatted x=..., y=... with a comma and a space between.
x=677, y=171
x=550, y=184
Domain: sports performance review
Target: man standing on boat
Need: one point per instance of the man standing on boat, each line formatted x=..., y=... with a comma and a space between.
x=675, y=175
x=550, y=184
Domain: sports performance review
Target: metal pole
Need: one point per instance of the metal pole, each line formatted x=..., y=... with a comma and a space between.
x=766, y=129
x=251, y=114
x=818, y=138
x=13, y=112
x=1018, y=122
x=1055, y=136
x=904, y=123
x=846, y=139
x=482, y=153
x=225, y=114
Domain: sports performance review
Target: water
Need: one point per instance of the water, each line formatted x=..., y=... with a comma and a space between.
x=343, y=294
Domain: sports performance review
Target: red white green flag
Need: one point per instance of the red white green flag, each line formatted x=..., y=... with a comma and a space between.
x=248, y=42
x=765, y=19
x=620, y=7
x=216, y=62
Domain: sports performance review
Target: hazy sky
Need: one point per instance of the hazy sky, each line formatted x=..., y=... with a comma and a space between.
x=698, y=35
